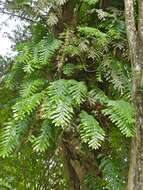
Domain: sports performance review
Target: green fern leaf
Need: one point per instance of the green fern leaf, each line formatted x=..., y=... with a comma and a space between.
x=8, y=139
x=13, y=78
x=112, y=174
x=97, y=96
x=62, y=114
x=114, y=73
x=78, y=91
x=91, y=2
x=58, y=90
x=42, y=141
x=91, y=32
x=90, y=130
x=58, y=107
x=26, y=106
x=25, y=53
x=63, y=96
x=9, y=136
x=52, y=19
x=121, y=113
x=47, y=48
x=28, y=88
x=68, y=69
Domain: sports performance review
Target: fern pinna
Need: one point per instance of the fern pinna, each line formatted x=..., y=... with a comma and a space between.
x=72, y=91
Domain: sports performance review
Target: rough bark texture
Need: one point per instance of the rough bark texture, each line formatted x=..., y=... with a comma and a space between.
x=72, y=176
x=105, y=4
x=67, y=17
x=77, y=163
x=135, y=36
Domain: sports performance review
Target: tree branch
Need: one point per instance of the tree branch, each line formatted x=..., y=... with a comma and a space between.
x=2, y=11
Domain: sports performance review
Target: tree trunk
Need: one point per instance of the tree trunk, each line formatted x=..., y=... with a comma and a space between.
x=67, y=20
x=135, y=36
x=70, y=172
x=77, y=164
x=105, y=4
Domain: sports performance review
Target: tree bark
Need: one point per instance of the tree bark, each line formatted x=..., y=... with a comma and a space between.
x=135, y=37
x=71, y=174
x=105, y=4
x=67, y=20
x=77, y=164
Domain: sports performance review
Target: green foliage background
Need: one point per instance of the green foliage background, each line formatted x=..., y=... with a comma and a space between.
x=70, y=77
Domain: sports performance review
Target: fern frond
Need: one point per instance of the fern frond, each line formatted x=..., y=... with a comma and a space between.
x=35, y=56
x=28, y=88
x=114, y=73
x=8, y=139
x=25, y=107
x=63, y=96
x=58, y=107
x=72, y=50
x=47, y=48
x=121, y=114
x=62, y=114
x=67, y=37
x=112, y=174
x=61, y=2
x=91, y=32
x=90, y=130
x=97, y=95
x=52, y=19
x=68, y=69
x=25, y=53
x=13, y=77
x=9, y=136
x=91, y=2
x=42, y=141
x=78, y=91
x=58, y=90
x=26, y=57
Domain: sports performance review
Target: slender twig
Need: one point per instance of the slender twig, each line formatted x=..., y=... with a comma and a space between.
x=2, y=11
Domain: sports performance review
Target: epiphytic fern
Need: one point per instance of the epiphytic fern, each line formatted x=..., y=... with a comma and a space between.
x=67, y=35
x=58, y=90
x=61, y=2
x=26, y=106
x=97, y=96
x=25, y=53
x=61, y=113
x=42, y=141
x=10, y=135
x=90, y=130
x=35, y=56
x=78, y=91
x=30, y=87
x=91, y=2
x=90, y=32
x=63, y=96
x=114, y=71
x=121, y=114
x=13, y=78
x=114, y=180
x=47, y=48
x=9, y=139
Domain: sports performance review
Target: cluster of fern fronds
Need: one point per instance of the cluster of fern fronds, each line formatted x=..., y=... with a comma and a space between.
x=77, y=80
